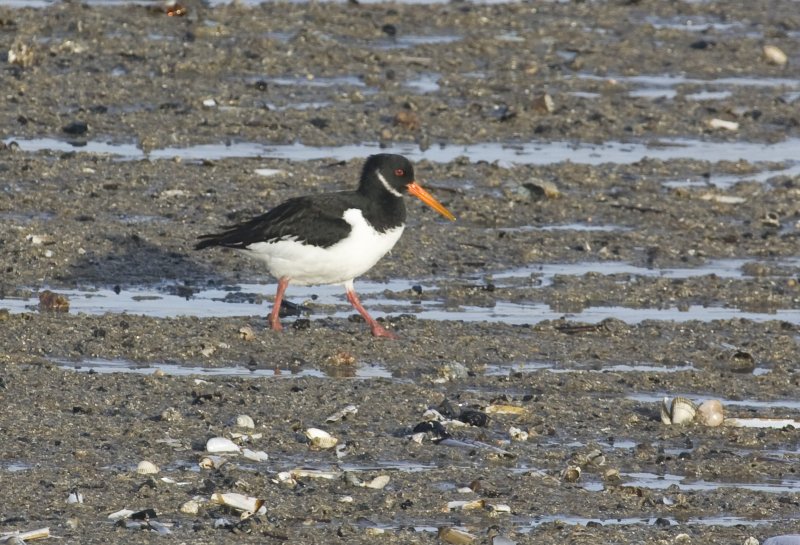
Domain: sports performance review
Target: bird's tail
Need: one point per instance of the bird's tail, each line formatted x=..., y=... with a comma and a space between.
x=208, y=241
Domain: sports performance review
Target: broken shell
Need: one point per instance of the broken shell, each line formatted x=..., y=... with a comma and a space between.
x=710, y=413
x=239, y=502
x=244, y=421
x=775, y=55
x=191, y=507
x=517, y=434
x=680, y=411
x=75, y=497
x=571, y=474
x=255, y=455
x=221, y=444
x=343, y=413
x=147, y=468
x=246, y=333
x=455, y=536
x=320, y=439
x=723, y=124
x=378, y=483
x=212, y=462
x=543, y=104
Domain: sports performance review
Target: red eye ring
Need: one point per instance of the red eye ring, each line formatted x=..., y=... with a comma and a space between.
x=399, y=172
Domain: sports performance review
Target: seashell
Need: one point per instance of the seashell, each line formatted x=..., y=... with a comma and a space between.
x=341, y=414
x=378, y=483
x=710, y=413
x=773, y=423
x=682, y=410
x=571, y=474
x=775, y=55
x=723, y=124
x=255, y=455
x=543, y=104
x=212, y=462
x=517, y=434
x=612, y=475
x=146, y=467
x=455, y=536
x=244, y=421
x=121, y=514
x=239, y=502
x=666, y=414
x=246, y=333
x=19, y=538
x=75, y=497
x=191, y=507
x=221, y=444
x=285, y=477
x=320, y=439
x=498, y=508
x=679, y=411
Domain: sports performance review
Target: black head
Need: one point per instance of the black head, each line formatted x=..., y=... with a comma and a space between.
x=387, y=172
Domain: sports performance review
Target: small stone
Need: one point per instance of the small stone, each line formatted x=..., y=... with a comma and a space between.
x=775, y=55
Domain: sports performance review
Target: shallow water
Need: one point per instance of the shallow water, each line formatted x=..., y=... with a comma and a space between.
x=505, y=154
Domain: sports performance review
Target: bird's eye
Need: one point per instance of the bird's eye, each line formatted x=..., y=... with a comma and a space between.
x=399, y=172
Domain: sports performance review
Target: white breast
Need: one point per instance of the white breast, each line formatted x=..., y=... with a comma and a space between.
x=351, y=257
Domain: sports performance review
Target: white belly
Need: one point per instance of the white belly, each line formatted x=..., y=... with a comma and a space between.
x=305, y=264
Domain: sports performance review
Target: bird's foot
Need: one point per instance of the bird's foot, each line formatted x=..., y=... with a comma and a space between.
x=275, y=325
x=380, y=331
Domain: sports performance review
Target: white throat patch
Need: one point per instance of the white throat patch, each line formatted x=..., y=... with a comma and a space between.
x=389, y=188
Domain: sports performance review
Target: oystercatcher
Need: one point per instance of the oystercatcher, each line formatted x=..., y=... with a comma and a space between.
x=331, y=238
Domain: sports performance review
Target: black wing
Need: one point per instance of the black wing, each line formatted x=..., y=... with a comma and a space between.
x=313, y=220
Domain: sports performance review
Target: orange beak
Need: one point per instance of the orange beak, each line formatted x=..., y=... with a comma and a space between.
x=415, y=189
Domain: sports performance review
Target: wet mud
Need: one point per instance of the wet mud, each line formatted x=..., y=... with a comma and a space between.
x=613, y=247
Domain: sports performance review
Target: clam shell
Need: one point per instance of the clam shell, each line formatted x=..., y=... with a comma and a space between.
x=710, y=413
x=212, y=462
x=255, y=455
x=775, y=55
x=666, y=413
x=221, y=444
x=378, y=483
x=342, y=413
x=245, y=421
x=682, y=410
x=571, y=474
x=321, y=439
x=146, y=467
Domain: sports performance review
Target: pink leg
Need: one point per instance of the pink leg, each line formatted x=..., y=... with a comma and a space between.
x=377, y=329
x=274, y=318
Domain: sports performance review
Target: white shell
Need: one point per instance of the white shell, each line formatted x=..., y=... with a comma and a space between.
x=240, y=502
x=775, y=55
x=191, y=507
x=321, y=439
x=378, y=482
x=75, y=497
x=146, y=467
x=245, y=421
x=121, y=514
x=571, y=474
x=710, y=413
x=682, y=411
x=723, y=124
x=517, y=434
x=221, y=444
x=255, y=455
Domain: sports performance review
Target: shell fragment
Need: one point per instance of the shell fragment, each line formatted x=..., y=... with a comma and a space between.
x=320, y=439
x=221, y=444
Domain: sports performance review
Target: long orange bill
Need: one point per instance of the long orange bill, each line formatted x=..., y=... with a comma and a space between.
x=415, y=189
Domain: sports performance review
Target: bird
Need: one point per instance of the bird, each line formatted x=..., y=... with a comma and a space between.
x=331, y=238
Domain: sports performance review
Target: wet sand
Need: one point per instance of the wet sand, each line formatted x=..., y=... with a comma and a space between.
x=609, y=251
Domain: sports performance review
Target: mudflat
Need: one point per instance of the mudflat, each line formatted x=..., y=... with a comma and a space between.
x=625, y=178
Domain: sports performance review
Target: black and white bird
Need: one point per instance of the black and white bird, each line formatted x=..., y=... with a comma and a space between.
x=331, y=238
